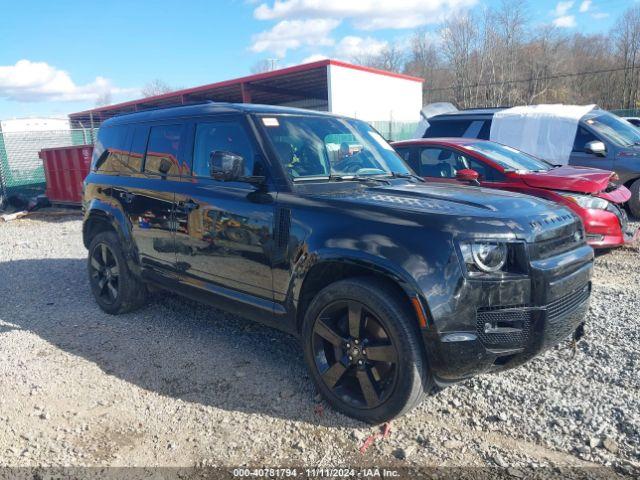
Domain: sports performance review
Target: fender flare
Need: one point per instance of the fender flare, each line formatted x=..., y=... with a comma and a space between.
x=116, y=218
x=380, y=265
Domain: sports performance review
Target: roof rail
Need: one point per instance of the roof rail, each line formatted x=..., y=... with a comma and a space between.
x=162, y=107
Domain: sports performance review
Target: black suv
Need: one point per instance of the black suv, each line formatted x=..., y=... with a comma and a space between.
x=311, y=223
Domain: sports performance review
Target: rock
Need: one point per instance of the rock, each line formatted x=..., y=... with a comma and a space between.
x=583, y=449
x=44, y=416
x=503, y=417
x=403, y=453
x=514, y=472
x=594, y=442
x=300, y=445
x=452, y=444
x=358, y=435
x=610, y=445
x=501, y=462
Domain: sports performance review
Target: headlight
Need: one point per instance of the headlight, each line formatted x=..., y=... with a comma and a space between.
x=586, y=201
x=485, y=256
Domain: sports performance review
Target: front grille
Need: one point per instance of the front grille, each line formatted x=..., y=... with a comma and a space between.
x=561, y=307
x=503, y=327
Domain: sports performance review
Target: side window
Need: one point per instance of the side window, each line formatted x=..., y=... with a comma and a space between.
x=112, y=147
x=404, y=152
x=474, y=129
x=437, y=162
x=163, y=149
x=226, y=136
x=485, y=172
x=138, y=147
x=447, y=128
x=485, y=131
x=583, y=136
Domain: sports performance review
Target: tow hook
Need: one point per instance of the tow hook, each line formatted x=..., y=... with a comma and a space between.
x=578, y=333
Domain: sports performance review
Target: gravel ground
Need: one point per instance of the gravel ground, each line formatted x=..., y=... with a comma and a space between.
x=181, y=384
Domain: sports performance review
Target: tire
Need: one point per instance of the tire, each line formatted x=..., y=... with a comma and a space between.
x=118, y=290
x=387, y=327
x=634, y=201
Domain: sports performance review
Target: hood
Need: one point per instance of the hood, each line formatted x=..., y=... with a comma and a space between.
x=570, y=178
x=461, y=210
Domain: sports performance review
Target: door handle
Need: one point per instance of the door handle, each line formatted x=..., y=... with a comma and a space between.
x=188, y=205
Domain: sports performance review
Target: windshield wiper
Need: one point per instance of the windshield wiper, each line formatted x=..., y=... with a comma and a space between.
x=357, y=178
x=408, y=175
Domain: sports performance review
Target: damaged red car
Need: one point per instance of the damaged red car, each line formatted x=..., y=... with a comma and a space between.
x=591, y=193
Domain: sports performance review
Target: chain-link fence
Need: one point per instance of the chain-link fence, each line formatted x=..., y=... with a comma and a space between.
x=395, y=131
x=21, y=170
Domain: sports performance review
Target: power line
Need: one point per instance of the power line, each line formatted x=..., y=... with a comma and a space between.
x=531, y=79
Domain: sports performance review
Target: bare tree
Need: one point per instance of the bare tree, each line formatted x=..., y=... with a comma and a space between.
x=626, y=38
x=265, y=65
x=156, y=87
x=391, y=58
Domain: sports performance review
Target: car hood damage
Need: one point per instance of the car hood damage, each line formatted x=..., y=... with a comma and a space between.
x=580, y=180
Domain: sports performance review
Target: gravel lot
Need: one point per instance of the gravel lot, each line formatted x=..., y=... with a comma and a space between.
x=181, y=384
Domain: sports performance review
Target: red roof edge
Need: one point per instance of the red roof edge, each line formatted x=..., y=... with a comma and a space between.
x=250, y=78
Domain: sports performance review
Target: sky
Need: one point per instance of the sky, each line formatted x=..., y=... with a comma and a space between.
x=59, y=57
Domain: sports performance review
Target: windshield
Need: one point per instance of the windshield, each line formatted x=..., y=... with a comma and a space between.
x=509, y=158
x=614, y=129
x=316, y=147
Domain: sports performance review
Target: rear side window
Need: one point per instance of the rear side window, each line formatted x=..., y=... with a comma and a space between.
x=447, y=128
x=226, y=136
x=163, y=149
x=111, y=150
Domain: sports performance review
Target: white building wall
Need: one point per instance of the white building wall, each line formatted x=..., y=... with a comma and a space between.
x=373, y=97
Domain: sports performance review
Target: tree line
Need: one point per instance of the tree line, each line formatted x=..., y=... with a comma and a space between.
x=496, y=57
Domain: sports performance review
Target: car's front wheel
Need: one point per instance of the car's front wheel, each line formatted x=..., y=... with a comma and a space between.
x=114, y=287
x=363, y=350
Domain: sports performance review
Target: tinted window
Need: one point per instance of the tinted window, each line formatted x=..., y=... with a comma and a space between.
x=221, y=136
x=445, y=163
x=111, y=150
x=447, y=128
x=163, y=149
x=138, y=147
x=583, y=136
x=634, y=121
x=613, y=128
x=485, y=131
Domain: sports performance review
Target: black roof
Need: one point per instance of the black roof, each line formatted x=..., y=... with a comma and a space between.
x=205, y=108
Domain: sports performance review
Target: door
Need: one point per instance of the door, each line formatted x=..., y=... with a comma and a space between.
x=224, y=229
x=149, y=199
x=579, y=156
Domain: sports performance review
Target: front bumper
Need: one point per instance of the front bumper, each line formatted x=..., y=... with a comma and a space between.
x=510, y=324
x=607, y=228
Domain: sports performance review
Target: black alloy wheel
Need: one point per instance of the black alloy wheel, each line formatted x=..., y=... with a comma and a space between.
x=354, y=354
x=115, y=288
x=105, y=272
x=363, y=349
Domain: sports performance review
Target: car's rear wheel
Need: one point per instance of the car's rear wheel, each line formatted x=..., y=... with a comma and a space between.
x=114, y=287
x=363, y=350
x=634, y=201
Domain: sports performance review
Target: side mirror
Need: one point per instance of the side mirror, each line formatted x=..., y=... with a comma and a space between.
x=468, y=175
x=226, y=166
x=596, y=147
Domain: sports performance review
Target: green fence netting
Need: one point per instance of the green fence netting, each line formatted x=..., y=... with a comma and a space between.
x=21, y=170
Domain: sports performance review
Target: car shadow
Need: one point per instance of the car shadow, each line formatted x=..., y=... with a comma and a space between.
x=175, y=347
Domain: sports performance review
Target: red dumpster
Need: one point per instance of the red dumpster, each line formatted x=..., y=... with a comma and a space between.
x=65, y=168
